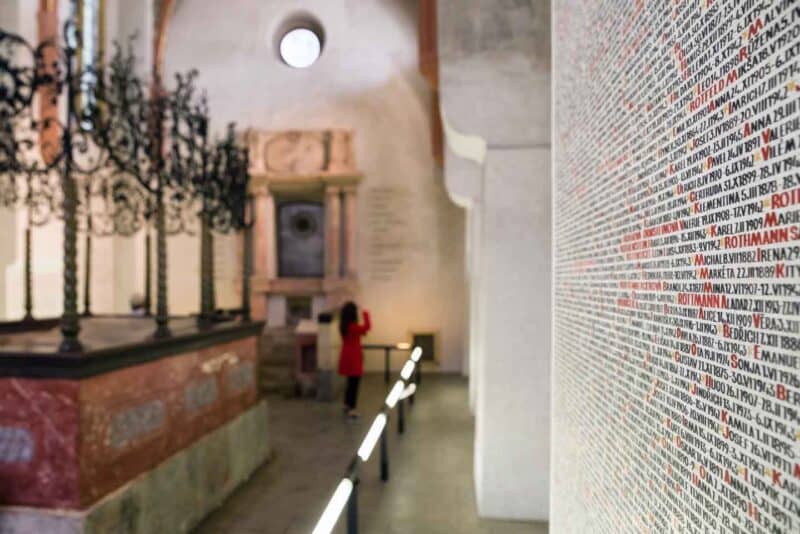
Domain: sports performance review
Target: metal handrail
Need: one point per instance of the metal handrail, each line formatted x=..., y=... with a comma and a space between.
x=346, y=493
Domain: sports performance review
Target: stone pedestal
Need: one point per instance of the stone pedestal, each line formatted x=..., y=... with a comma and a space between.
x=174, y=496
x=329, y=342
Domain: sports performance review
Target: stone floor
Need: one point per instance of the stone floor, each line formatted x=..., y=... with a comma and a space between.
x=430, y=490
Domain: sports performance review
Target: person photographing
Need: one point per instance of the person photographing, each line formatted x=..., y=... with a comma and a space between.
x=351, y=356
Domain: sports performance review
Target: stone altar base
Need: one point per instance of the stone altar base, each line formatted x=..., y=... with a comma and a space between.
x=132, y=434
x=172, y=497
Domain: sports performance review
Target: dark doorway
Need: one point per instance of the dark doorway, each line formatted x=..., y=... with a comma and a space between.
x=427, y=342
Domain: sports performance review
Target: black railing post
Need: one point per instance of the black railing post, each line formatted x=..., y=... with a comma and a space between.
x=162, y=306
x=70, y=325
x=206, y=271
x=352, y=508
x=148, y=265
x=413, y=381
x=247, y=261
x=385, y=454
x=87, y=282
x=28, y=276
x=401, y=417
x=386, y=359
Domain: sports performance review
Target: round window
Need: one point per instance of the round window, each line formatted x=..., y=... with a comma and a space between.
x=303, y=225
x=300, y=47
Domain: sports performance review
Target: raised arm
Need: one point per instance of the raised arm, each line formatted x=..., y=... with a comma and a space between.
x=362, y=329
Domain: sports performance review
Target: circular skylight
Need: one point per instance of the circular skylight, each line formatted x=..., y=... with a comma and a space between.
x=300, y=48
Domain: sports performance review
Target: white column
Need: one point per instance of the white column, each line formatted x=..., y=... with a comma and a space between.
x=332, y=232
x=512, y=437
x=464, y=163
x=270, y=238
x=350, y=232
x=265, y=253
x=473, y=261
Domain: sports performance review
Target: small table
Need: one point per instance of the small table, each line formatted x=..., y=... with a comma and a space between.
x=387, y=352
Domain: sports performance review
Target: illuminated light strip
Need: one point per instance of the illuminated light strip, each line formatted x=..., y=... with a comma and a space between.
x=410, y=390
x=394, y=394
x=334, y=509
x=408, y=368
x=372, y=437
x=343, y=491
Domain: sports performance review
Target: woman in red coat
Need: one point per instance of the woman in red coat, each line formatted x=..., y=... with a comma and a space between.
x=351, y=358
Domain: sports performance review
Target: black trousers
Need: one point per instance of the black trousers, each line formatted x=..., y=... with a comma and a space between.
x=351, y=391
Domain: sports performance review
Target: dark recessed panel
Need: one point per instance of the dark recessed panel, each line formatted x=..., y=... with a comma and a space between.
x=301, y=239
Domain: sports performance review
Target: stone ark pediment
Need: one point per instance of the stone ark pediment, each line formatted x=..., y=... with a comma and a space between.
x=297, y=158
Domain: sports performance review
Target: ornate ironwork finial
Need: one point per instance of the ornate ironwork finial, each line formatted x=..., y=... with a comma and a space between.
x=126, y=158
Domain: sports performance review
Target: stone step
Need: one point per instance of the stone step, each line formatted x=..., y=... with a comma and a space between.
x=278, y=349
x=277, y=372
x=278, y=335
x=284, y=357
x=277, y=361
x=278, y=346
x=276, y=378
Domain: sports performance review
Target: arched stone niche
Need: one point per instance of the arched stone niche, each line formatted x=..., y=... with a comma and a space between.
x=290, y=170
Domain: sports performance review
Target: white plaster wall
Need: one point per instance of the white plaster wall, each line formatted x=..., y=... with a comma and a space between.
x=10, y=21
x=366, y=79
x=20, y=17
x=9, y=18
x=125, y=19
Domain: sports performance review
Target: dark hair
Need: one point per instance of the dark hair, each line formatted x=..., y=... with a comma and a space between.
x=348, y=316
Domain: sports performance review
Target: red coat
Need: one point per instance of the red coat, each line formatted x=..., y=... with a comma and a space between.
x=351, y=357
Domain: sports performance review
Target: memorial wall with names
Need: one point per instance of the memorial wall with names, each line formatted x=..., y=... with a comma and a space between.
x=676, y=365
x=387, y=245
